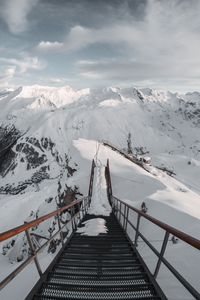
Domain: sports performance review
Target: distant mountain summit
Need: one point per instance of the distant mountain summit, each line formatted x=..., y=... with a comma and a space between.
x=161, y=121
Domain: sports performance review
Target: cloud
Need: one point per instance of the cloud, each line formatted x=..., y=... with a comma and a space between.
x=168, y=30
x=80, y=37
x=126, y=69
x=162, y=48
x=25, y=64
x=146, y=41
x=6, y=76
x=15, y=13
x=50, y=46
x=57, y=81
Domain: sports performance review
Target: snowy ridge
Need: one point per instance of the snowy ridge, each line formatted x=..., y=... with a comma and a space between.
x=50, y=136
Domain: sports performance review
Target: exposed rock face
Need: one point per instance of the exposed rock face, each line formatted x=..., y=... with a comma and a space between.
x=32, y=155
x=8, y=138
x=26, y=162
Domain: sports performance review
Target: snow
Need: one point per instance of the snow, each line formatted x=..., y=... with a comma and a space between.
x=75, y=121
x=167, y=200
x=99, y=202
x=93, y=227
x=131, y=182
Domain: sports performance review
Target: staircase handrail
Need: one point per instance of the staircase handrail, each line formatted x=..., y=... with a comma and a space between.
x=122, y=209
x=34, y=252
x=82, y=204
x=28, y=225
x=194, y=242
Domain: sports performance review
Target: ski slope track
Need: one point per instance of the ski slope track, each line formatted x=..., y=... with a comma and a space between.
x=52, y=134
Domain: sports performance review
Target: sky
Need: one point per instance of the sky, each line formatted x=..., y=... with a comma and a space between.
x=96, y=43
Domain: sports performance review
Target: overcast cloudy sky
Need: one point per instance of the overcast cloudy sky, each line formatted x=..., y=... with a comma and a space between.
x=87, y=43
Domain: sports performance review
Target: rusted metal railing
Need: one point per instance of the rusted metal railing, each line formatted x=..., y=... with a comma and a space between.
x=122, y=212
x=91, y=181
x=81, y=205
x=77, y=210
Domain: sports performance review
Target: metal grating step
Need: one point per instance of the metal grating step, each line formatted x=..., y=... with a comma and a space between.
x=100, y=245
x=91, y=250
x=43, y=297
x=105, y=271
x=108, y=239
x=95, y=264
x=92, y=282
x=97, y=276
x=98, y=256
x=98, y=268
x=94, y=255
x=81, y=292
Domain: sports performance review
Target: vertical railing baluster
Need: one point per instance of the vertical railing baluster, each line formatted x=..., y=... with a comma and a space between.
x=127, y=215
x=79, y=211
x=137, y=229
x=85, y=206
x=74, y=217
x=125, y=208
x=120, y=211
x=164, y=245
x=32, y=249
x=117, y=209
x=72, y=220
x=61, y=233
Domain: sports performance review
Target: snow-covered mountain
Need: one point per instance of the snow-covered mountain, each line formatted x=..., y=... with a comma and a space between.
x=48, y=137
x=38, y=126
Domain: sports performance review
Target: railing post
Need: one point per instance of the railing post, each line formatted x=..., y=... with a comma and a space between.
x=87, y=204
x=120, y=211
x=137, y=229
x=127, y=214
x=79, y=211
x=61, y=233
x=33, y=251
x=84, y=206
x=117, y=206
x=72, y=219
x=108, y=181
x=125, y=208
x=91, y=181
x=164, y=245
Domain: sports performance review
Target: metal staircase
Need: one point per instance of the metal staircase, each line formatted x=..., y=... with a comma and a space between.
x=100, y=267
x=106, y=266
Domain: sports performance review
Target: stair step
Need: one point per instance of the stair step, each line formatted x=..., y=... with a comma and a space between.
x=97, y=276
x=108, y=243
x=43, y=297
x=105, y=271
x=99, y=259
x=96, y=282
x=103, y=267
x=118, y=246
x=95, y=255
x=90, y=256
x=99, y=239
x=140, y=291
x=95, y=264
x=91, y=251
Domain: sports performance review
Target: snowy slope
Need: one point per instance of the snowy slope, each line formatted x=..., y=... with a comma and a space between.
x=48, y=137
x=167, y=200
x=48, y=120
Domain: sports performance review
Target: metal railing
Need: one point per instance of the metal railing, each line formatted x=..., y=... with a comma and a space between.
x=80, y=205
x=132, y=158
x=122, y=212
x=77, y=210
